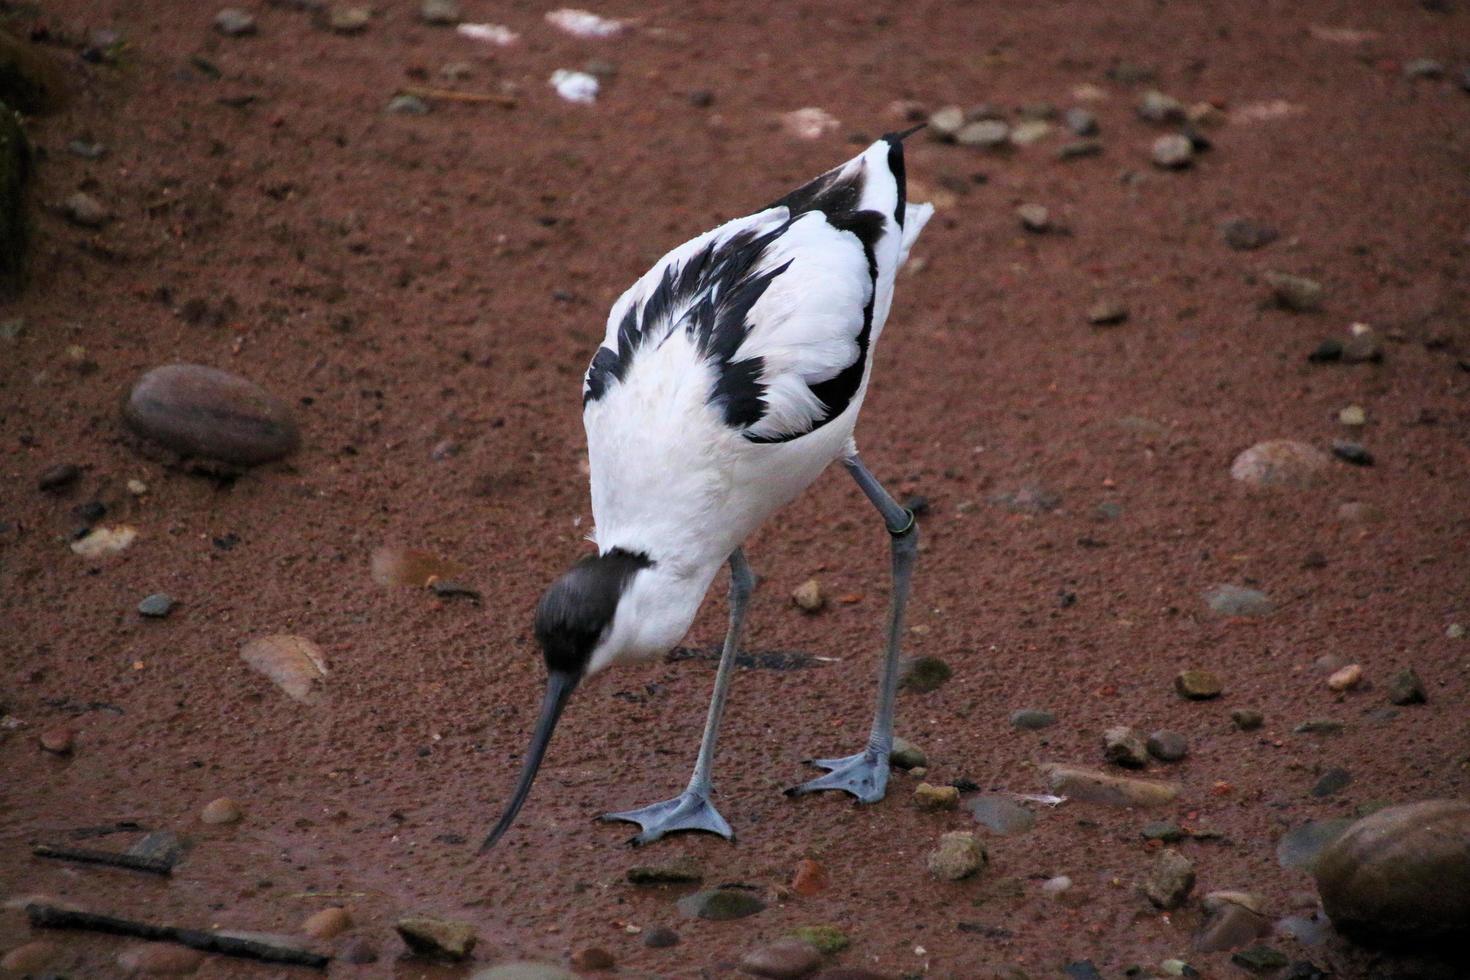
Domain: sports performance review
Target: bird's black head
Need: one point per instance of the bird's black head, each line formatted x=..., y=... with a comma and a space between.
x=571, y=618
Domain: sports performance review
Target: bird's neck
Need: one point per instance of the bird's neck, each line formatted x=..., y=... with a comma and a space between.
x=655, y=611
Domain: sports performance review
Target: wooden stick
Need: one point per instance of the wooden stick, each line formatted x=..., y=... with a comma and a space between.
x=449, y=95
x=51, y=917
x=132, y=862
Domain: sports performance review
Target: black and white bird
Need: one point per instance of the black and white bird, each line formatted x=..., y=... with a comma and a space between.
x=730, y=376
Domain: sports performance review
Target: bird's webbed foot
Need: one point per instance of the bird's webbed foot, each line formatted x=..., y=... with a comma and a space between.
x=864, y=775
x=687, y=811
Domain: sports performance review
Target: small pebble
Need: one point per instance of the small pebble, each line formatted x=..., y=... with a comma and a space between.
x=1125, y=747
x=988, y=134
x=1034, y=217
x=1197, y=685
x=827, y=939
x=58, y=741
x=1346, y=678
x=921, y=675
x=1032, y=719
x=906, y=755
x=934, y=798
x=1245, y=234
x=809, y=879
x=1426, y=68
x=1455, y=631
x=1352, y=452
x=592, y=958
x=1247, y=719
x=1405, y=687
x=1170, y=880
x=1106, y=312
x=1001, y=814
x=408, y=105
x=358, y=951
x=1362, y=345
x=1237, y=600
x=137, y=488
x=86, y=211
x=1082, y=122
x=720, y=904
x=1172, y=152
x=1279, y=463
x=1162, y=830
x=1167, y=746
x=440, y=12
x=1034, y=131
x=163, y=959
x=446, y=939
x=345, y=19
x=221, y=811
x=1326, y=352
x=958, y=856
x=33, y=958
x=1352, y=415
x=1156, y=107
x=945, y=123
x=1079, y=149
x=660, y=937
x=203, y=412
x=1295, y=293
x=808, y=596
x=1319, y=726
x=156, y=606
x=327, y=922
x=58, y=477
x=234, y=22
x=87, y=149
x=1332, y=781
x=785, y=959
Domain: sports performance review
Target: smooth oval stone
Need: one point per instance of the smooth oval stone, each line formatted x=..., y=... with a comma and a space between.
x=785, y=959
x=201, y=411
x=1001, y=815
x=721, y=904
x=1401, y=874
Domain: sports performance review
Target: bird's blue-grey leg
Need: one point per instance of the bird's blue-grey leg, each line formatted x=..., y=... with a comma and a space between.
x=692, y=809
x=865, y=775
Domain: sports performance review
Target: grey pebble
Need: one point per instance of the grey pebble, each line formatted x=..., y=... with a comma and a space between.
x=1405, y=687
x=945, y=123
x=1332, y=781
x=1174, y=151
x=720, y=904
x=408, y=105
x=1079, y=149
x=86, y=149
x=204, y=412
x=1424, y=68
x=1352, y=452
x=440, y=12
x=1156, y=107
x=1247, y=719
x=85, y=210
x=1080, y=121
x=234, y=22
x=1032, y=719
x=157, y=605
x=1246, y=234
x=1319, y=726
x=58, y=477
x=1001, y=814
x=1034, y=217
x=1170, y=880
x=987, y=134
x=1237, y=600
x=1167, y=746
x=1162, y=830
x=1295, y=293
x=660, y=937
x=1106, y=312
x=1125, y=747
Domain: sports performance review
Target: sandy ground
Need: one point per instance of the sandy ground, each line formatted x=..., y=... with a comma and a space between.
x=403, y=281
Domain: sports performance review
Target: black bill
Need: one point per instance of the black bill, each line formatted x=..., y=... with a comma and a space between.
x=559, y=688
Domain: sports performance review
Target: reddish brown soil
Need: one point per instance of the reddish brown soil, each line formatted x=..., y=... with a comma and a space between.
x=406, y=280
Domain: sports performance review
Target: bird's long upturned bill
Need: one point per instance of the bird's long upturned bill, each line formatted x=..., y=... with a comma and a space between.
x=559, y=688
